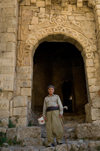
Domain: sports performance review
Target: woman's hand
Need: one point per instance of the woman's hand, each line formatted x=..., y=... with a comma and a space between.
x=61, y=116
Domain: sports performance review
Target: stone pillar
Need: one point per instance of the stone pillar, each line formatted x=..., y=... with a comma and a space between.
x=8, y=43
x=93, y=108
x=19, y=110
x=97, y=18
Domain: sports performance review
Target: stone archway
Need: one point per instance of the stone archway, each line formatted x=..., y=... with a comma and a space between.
x=57, y=26
x=57, y=29
x=61, y=64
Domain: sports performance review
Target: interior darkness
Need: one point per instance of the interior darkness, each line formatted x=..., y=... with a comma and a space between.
x=60, y=64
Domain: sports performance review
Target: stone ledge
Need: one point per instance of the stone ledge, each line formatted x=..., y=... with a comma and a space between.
x=83, y=145
x=24, y=132
x=29, y=136
x=77, y=145
x=29, y=132
x=88, y=131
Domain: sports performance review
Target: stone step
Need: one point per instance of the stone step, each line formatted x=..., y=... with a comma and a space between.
x=72, y=145
x=69, y=133
x=25, y=135
x=70, y=130
x=19, y=148
x=35, y=148
x=74, y=130
x=69, y=117
x=78, y=137
x=88, y=131
x=83, y=145
x=82, y=131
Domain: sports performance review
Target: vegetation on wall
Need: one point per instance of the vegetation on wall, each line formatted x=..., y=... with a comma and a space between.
x=4, y=139
x=11, y=125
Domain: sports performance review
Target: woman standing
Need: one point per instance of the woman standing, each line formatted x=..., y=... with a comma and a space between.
x=53, y=113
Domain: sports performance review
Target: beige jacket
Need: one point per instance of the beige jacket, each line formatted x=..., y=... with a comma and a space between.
x=53, y=100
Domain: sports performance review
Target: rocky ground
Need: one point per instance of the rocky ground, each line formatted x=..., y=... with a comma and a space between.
x=78, y=136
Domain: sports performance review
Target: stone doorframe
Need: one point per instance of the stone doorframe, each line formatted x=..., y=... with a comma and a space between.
x=58, y=30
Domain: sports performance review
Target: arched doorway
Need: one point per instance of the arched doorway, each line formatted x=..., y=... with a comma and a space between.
x=60, y=64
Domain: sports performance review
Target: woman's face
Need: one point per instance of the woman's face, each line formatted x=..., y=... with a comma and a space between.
x=51, y=91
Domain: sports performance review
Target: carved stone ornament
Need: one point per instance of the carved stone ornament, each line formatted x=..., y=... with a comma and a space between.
x=56, y=25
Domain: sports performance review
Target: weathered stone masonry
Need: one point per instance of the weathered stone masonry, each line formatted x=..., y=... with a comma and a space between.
x=77, y=22
x=8, y=47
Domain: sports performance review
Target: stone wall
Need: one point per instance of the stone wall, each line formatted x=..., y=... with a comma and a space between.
x=95, y=110
x=97, y=19
x=75, y=22
x=8, y=43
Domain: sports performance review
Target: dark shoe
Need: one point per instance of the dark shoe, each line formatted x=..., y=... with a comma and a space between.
x=50, y=145
x=59, y=143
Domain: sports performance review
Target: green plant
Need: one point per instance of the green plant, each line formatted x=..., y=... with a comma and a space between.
x=3, y=138
x=14, y=141
x=98, y=148
x=10, y=141
x=30, y=123
x=11, y=125
x=16, y=119
x=0, y=90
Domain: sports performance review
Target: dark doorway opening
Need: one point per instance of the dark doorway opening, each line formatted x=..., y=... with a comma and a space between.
x=60, y=64
x=67, y=91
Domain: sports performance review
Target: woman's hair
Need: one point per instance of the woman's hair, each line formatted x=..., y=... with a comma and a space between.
x=51, y=86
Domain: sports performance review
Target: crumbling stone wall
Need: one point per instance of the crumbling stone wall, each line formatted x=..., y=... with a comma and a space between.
x=8, y=47
x=95, y=111
x=76, y=21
